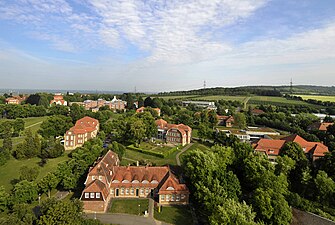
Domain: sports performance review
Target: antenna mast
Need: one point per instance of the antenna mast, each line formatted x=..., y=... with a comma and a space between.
x=204, y=84
x=291, y=86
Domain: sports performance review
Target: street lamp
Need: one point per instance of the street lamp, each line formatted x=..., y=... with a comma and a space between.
x=39, y=198
x=139, y=209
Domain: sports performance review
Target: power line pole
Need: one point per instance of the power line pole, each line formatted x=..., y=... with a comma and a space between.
x=291, y=87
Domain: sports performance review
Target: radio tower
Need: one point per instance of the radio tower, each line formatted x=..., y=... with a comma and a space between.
x=291, y=86
x=204, y=84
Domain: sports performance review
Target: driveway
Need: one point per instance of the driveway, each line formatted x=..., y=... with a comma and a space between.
x=124, y=219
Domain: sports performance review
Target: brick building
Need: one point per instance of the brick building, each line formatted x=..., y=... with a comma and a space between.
x=15, y=100
x=271, y=148
x=84, y=129
x=107, y=180
x=174, y=133
x=142, y=109
x=227, y=121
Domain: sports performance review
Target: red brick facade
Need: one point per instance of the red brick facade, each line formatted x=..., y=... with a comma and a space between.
x=173, y=133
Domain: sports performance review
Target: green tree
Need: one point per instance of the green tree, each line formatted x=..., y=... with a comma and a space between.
x=204, y=131
x=212, y=118
x=55, y=126
x=148, y=102
x=47, y=183
x=4, y=199
x=293, y=150
x=240, y=120
x=18, y=125
x=25, y=192
x=29, y=173
x=138, y=130
x=325, y=187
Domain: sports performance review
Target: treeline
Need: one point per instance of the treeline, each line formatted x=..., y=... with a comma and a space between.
x=227, y=91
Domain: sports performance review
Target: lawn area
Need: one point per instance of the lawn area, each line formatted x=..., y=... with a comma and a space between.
x=129, y=206
x=33, y=123
x=200, y=146
x=171, y=159
x=318, y=98
x=11, y=169
x=178, y=215
x=154, y=147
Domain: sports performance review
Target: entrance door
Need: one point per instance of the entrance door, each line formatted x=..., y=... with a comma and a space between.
x=136, y=192
x=117, y=193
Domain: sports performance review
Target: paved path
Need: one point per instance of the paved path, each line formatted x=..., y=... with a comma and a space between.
x=182, y=151
x=245, y=101
x=124, y=219
x=61, y=194
x=151, y=207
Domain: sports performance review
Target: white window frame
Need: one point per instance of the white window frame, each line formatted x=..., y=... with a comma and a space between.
x=97, y=194
x=87, y=195
x=92, y=195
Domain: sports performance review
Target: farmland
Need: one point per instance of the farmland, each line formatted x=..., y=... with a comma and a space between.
x=318, y=97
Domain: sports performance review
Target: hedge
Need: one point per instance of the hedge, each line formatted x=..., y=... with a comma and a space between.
x=153, y=153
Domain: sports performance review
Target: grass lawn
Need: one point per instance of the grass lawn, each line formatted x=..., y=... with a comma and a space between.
x=171, y=159
x=318, y=98
x=129, y=206
x=178, y=215
x=11, y=170
x=200, y=146
x=153, y=147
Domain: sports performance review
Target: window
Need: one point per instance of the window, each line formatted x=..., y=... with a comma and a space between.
x=92, y=195
x=97, y=195
x=182, y=196
x=132, y=191
x=147, y=191
x=177, y=198
x=87, y=195
x=112, y=191
x=93, y=177
x=122, y=191
x=141, y=191
x=67, y=143
x=162, y=197
x=167, y=198
x=172, y=197
x=100, y=177
x=127, y=191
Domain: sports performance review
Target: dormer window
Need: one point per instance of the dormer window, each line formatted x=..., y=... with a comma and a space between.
x=100, y=177
x=125, y=181
x=145, y=182
x=154, y=182
x=93, y=177
x=170, y=189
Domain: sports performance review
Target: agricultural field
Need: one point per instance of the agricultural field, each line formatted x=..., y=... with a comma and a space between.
x=183, y=97
x=318, y=97
x=274, y=100
x=221, y=97
x=11, y=170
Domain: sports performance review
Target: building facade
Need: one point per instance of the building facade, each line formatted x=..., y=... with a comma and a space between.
x=142, y=109
x=84, y=129
x=174, y=133
x=15, y=100
x=107, y=180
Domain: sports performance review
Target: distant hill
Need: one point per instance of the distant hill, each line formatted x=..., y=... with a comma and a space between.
x=258, y=90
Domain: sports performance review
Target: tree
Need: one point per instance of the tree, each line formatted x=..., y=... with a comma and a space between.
x=51, y=148
x=293, y=150
x=55, y=126
x=119, y=149
x=24, y=192
x=18, y=125
x=148, y=102
x=77, y=112
x=149, y=123
x=140, y=102
x=232, y=213
x=325, y=187
x=4, y=199
x=47, y=183
x=30, y=147
x=240, y=120
x=59, y=110
x=28, y=173
x=212, y=118
x=61, y=212
x=204, y=131
x=138, y=130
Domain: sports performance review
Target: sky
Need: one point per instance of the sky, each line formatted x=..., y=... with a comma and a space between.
x=165, y=45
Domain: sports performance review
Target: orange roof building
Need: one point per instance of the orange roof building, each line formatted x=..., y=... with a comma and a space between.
x=271, y=148
x=174, y=133
x=84, y=129
x=15, y=100
x=320, y=126
x=142, y=109
x=58, y=100
x=227, y=121
x=107, y=180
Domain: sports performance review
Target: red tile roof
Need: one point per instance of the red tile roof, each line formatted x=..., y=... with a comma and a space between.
x=320, y=126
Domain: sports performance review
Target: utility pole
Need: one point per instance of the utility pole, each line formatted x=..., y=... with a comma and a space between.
x=291, y=87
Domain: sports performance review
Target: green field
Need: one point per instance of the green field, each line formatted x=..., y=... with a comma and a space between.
x=318, y=97
x=137, y=156
x=176, y=97
x=153, y=147
x=129, y=206
x=10, y=171
x=274, y=100
x=32, y=123
x=178, y=215
x=221, y=97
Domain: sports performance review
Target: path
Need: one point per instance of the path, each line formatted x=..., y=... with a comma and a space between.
x=181, y=152
x=245, y=101
x=124, y=219
x=129, y=159
x=61, y=194
x=27, y=127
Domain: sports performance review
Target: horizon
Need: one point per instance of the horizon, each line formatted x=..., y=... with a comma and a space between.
x=160, y=46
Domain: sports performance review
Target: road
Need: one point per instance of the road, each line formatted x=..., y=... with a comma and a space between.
x=124, y=219
x=182, y=151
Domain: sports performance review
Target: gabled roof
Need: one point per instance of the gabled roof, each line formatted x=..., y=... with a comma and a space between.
x=270, y=147
x=320, y=126
x=97, y=186
x=172, y=185
x=84, y=125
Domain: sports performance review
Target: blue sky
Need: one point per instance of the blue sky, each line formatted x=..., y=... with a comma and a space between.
x=161, y=45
